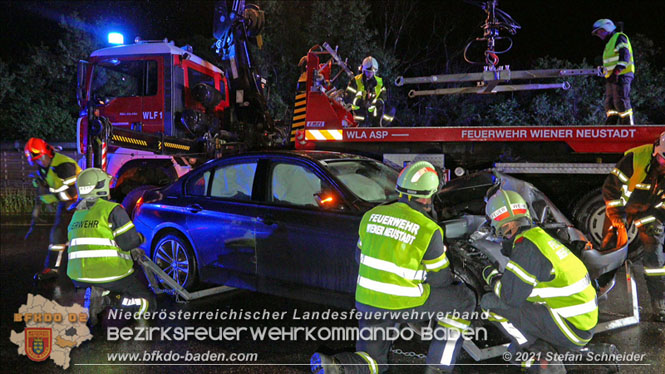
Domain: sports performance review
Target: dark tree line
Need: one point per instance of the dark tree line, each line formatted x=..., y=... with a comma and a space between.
x=37, y=89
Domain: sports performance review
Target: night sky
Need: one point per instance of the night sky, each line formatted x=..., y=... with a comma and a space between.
x=555, y=28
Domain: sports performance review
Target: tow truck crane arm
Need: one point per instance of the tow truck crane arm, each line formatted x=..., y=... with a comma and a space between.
x=494, y=78
x=236, y=25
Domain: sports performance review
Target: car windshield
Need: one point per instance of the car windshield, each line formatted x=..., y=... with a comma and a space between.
x=370, y=180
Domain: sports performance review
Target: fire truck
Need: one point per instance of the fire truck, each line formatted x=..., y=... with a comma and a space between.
x=151, y=111
x=568, y=163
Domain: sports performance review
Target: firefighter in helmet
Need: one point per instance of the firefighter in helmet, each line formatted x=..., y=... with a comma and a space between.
x=367, y=96
x=101, y=236
x=544, y=293
x=619, y=67
x=634, y=193
x=55, y=179
x=403, y=267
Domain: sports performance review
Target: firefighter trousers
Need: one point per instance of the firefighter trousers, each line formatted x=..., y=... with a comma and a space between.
x=530, y=322
x=617, y=100
x=129, y=292
x=654, y=262
x=650, y=233
x=56, y=255
x=449, y=305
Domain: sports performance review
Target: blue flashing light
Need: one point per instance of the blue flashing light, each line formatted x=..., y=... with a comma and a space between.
x=116, y=38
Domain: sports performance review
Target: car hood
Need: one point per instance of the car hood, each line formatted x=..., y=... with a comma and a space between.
x=466, y=196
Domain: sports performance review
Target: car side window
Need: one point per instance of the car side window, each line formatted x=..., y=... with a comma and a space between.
x=295, y=185
x=234, y=181
x=198, y=186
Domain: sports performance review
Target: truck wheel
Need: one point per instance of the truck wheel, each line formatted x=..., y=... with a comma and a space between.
x=129, y=202
x=589, y=214
x=173, y=254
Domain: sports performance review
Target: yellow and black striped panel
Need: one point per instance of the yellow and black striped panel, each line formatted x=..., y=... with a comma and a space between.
x=182, y=147
x=299, y=114
x=128, y=140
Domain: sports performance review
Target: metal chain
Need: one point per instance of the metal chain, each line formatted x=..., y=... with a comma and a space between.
x=398, y=351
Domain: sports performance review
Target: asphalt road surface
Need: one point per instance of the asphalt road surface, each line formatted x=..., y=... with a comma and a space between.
x=282, y=354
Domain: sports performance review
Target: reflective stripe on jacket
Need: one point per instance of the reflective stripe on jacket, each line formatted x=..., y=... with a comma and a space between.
x=94, y=256
x=570, y=295
x=611, y=55
x=393, y=241
x=57, y=186
x=641, y=160
x=360, y=93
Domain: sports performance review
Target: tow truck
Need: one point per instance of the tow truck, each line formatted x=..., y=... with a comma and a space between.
x=151, y=111
x=568, y=163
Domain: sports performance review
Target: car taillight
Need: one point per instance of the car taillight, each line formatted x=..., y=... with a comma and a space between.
x=137, y=207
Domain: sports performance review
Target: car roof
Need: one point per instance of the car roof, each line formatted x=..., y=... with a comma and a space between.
x=309, y=154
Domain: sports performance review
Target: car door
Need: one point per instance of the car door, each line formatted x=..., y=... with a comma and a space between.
x=298, y=240
x=221, y=220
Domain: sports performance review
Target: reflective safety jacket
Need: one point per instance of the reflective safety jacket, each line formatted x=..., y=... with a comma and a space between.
x=94, y=255
x=635, y=180
x=357, y=91
x=618, y=54
x=61, y=179
x=570, y=294
x=393, y=241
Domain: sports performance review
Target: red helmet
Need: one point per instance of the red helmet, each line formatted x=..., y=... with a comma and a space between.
x=36, y=148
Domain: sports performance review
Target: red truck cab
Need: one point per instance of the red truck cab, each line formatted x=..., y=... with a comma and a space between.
x=146, y=87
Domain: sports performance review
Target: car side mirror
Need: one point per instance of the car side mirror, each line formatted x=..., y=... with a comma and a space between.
x=328, y=200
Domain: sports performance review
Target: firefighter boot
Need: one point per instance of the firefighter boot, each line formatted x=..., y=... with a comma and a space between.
x=343, y=363
x=325, y=364
x=626, y=119
x=46, y=274
x=97, y=300
x=659, y=310
x=543, y=365
x=612, y=120
x=595, y=354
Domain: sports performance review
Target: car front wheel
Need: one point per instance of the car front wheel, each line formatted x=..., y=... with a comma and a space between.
x=173, y=254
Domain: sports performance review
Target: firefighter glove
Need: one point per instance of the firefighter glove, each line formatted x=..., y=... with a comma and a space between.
x=616, y=237
x=137, y=254
x=489, y=274
x=617, y=221
x=654, y=228
x=39, y=183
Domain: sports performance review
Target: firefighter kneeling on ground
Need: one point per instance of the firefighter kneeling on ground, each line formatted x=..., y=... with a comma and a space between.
x=391, y=277
x=367, y=96
x=101, y=236
x=544, y=295
x=634, y=193
x=55, y=183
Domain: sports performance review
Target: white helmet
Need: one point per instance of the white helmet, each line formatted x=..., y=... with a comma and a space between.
x=370, y=63
x=659, y=146
x=605, y=24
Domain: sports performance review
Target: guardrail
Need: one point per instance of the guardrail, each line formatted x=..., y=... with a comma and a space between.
x=14, y=168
